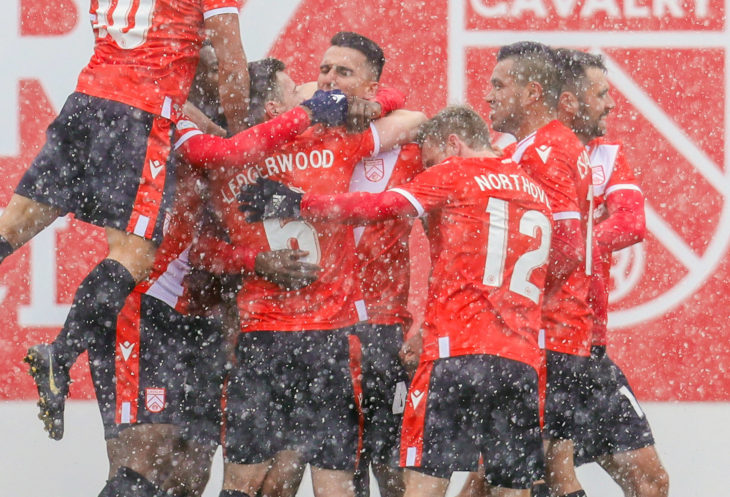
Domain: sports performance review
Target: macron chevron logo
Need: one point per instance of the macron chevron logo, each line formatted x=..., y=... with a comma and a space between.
x=127, y=349
x=416, y=397
x=544, y=152
x=155, y=168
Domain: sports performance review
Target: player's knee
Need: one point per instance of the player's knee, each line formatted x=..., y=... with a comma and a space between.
x=654, y=483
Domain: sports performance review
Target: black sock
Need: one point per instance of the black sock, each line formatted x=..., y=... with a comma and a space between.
x=129, y=483
x=96, y=304
x=5, y=248
x=232, y=493
x=577, y=493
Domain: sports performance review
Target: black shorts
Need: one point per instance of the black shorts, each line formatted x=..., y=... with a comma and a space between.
x=106, y=162
x=384, y=388
x=161, y=367
x=614, y=421
x=565, y=395
x=292, y=390
x=464, y=407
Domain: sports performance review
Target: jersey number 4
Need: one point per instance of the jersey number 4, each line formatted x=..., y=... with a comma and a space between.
x=530, y=223
x=126, y=21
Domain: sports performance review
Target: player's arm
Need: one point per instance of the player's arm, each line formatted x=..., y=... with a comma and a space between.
x=356, y=207
x=220, y=257
x=222, y=29
x=626, y=221
x=203, y=122
x=398, y=127
x=567, y=252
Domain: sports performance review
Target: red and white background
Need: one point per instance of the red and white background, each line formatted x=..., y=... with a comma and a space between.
x=668, y=62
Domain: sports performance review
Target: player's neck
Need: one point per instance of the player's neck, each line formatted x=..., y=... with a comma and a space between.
x=535, y=120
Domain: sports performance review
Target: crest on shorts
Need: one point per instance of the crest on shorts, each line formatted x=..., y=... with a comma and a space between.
x=374, y=169
x=154, y=399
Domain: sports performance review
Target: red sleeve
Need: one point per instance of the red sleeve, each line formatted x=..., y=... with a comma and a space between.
x=219, y=257
x=567, y=251
x=356, y=207
x=625, y=224
x=250, y=145
x=389, y=99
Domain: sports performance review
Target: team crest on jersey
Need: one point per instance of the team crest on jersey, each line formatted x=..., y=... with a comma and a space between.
x=154, y=399
x=374, y=169
x=599, y=174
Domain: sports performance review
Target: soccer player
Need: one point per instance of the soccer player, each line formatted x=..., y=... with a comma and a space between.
x=523, y=100
x=475, y=391
x=617, y=435
x=106, y=160
x=292, y=387
x=158, y=385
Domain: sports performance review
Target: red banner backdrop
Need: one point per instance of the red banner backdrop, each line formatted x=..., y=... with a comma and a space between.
x=668, y=63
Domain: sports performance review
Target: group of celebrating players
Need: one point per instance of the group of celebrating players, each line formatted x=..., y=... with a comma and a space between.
x=255, y=291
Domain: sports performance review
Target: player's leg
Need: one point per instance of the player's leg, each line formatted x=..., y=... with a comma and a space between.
x=564, y=400
x=332, y=483
x=384, y=394
x=639, y=472
x=244, y=478
x=285, y=475
x=422, y=485
x=117, y=189
x=21, y=220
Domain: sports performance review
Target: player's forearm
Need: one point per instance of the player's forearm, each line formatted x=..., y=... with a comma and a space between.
x=219, y=257
x=356, y=207
x=625, y=224
x=233, y=80
x=567, y=252
x=248, y=146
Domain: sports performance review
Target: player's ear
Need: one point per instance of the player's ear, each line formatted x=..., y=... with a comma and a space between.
x=453, y=145
x=568, y=103
x=272, y=108
x=533, y=91
x=371, y=90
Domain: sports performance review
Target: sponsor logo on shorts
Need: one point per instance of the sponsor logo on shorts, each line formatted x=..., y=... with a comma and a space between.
x=126, y=349
x=154, y=399
x=416, y=397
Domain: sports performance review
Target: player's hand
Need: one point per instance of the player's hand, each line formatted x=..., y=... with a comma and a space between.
x=268, y=199
x=327, y=107
x=410, y=352
x=286, y=269
x=360, y=113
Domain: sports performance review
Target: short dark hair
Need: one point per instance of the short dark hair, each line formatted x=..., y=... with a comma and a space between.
x=573, y=64
x=534, y=62
x=264, y=87
x=461, y=120
x=372, y=52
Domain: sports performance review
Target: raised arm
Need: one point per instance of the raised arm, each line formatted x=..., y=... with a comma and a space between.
x=233, y=82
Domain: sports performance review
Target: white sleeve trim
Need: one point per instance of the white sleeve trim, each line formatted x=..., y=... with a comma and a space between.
x=624, y=186
x=185, y=137
x=409, y=196
x=561, y=216
x=376, y=139
x=222, y=10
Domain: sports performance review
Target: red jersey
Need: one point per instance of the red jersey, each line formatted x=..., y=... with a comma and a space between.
x=321, y=160
x=146, y=51
x=611, y=175
x=382, y=248
x=490, y=258
x=557, y=160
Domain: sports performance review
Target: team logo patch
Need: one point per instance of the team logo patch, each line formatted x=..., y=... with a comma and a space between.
x=126, y=348
x=155, y=168
x=599, y=175
x=416, y=397
x=400, y=397
x=154, y=399
x=544, y=152
x=374, y=169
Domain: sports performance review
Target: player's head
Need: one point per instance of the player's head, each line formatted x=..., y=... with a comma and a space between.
x=454, y=131
x=352, y=64
x=585, y=101
x=524, y=81
x=273, y=92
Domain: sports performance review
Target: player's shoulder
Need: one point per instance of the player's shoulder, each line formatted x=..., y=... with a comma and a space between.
x=558, y=136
